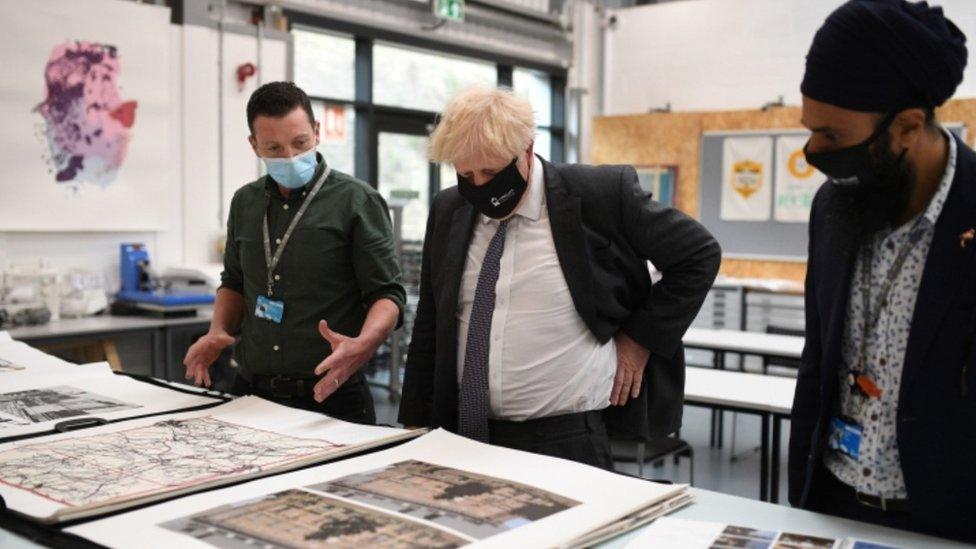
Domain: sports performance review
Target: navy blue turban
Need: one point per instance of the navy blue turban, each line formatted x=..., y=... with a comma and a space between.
x=885, y=56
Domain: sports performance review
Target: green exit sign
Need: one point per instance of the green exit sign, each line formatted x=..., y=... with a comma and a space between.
x=404, y=194
x=449, y=9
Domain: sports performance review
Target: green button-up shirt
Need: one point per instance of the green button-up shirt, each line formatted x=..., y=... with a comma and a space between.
x=339, y=261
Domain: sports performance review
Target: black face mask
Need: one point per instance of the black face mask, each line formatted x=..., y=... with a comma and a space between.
x=878, y=184
x=854, y=166
x=498, y=197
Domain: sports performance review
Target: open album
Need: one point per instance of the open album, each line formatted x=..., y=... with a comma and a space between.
x=111, y=467
x=440, y=490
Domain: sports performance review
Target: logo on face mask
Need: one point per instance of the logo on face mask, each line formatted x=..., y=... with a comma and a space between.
x=497, y=201
x=498, y=197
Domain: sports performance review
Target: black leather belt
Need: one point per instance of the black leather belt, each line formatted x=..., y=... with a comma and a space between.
x=885, y=504
x=283, y=387
x=591, y=420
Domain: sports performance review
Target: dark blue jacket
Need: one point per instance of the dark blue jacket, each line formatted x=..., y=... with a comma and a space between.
x=936, y=419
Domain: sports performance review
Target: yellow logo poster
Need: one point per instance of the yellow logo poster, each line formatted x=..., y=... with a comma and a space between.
x=796, y=181
x=746, y=186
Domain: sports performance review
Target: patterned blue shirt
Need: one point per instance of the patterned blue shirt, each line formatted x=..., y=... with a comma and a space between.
x=878, y=470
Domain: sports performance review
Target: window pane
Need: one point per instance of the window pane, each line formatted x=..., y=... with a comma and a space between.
x=325, y=64
x=405, y=172
x=337, y=131
x=448, y=176
x=535, y=86
x=423, y=80
x=543, y=144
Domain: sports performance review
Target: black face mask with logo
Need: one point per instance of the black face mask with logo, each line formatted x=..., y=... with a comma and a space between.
x=498, y=197
x=877, y=182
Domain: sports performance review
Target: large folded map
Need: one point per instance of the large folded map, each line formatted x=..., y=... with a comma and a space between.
x=111, y=467
x=440, y=490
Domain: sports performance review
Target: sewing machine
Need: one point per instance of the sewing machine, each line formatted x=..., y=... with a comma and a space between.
x=172, y=295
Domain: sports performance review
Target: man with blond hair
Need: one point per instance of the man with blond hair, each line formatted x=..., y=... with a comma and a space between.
x=538, y=327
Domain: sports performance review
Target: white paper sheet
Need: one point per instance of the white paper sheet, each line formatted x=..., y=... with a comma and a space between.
x=571, y=498
x=35, y=404
x=20, y=360
x=119, y=465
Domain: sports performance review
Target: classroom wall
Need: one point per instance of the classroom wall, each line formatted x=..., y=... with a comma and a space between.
x=99, y=251
x=707, y=55
x=194, y=228
x=205, y=204
x=717, y=62
x=675, y=139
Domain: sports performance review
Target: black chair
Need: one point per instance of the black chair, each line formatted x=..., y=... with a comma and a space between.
x=640, y=452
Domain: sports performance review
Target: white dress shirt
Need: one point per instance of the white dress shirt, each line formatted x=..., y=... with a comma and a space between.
x=543, y=360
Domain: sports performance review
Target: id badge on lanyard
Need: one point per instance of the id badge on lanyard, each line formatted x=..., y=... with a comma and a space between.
x=845, y=437
x=267, y=307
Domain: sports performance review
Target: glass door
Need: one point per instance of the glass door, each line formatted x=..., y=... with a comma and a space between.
x=403, y=176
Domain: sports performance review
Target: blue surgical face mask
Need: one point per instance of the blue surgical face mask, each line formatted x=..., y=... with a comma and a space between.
x=294, y=172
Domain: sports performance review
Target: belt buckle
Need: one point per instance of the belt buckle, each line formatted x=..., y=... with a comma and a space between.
x=275, y=385
x=862, y=498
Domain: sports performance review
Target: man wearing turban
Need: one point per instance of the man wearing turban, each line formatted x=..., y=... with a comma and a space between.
x=884, y=417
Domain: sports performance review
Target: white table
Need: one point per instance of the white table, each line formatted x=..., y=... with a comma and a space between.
x=103, y=324
x=769, y=397
x=722, y=342
x=159, y=330
x=745, y=343
x=716, y=507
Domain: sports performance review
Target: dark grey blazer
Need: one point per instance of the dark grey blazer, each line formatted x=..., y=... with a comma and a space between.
x=605, y=228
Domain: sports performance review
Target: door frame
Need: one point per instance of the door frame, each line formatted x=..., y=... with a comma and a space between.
x=407, y=123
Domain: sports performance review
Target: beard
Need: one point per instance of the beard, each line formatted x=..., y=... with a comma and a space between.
x=879, y=206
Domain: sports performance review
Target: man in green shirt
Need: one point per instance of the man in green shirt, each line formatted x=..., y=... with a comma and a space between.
x=310, y=280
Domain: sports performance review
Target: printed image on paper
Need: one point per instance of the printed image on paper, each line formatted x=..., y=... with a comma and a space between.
x=735, y=537
x=475, y=505
x=142, y=461
x=746, y=178
x=297, y=518
x=54, y=403
x=86, y=120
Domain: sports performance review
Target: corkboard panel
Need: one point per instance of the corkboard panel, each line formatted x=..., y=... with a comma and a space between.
x=960, y=110
x=748, y=268
x=675, y=139
x=659, y=138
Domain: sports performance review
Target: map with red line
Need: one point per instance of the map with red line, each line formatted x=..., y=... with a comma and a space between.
x=162, y=457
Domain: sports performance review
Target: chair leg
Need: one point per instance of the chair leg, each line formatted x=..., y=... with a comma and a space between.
x=691, y=466
x=640, y=459
x=735, y=417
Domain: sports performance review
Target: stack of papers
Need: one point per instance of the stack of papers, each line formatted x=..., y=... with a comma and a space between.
x=440, y=490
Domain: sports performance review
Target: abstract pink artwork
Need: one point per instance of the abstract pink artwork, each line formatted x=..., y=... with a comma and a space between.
x=87, y=122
